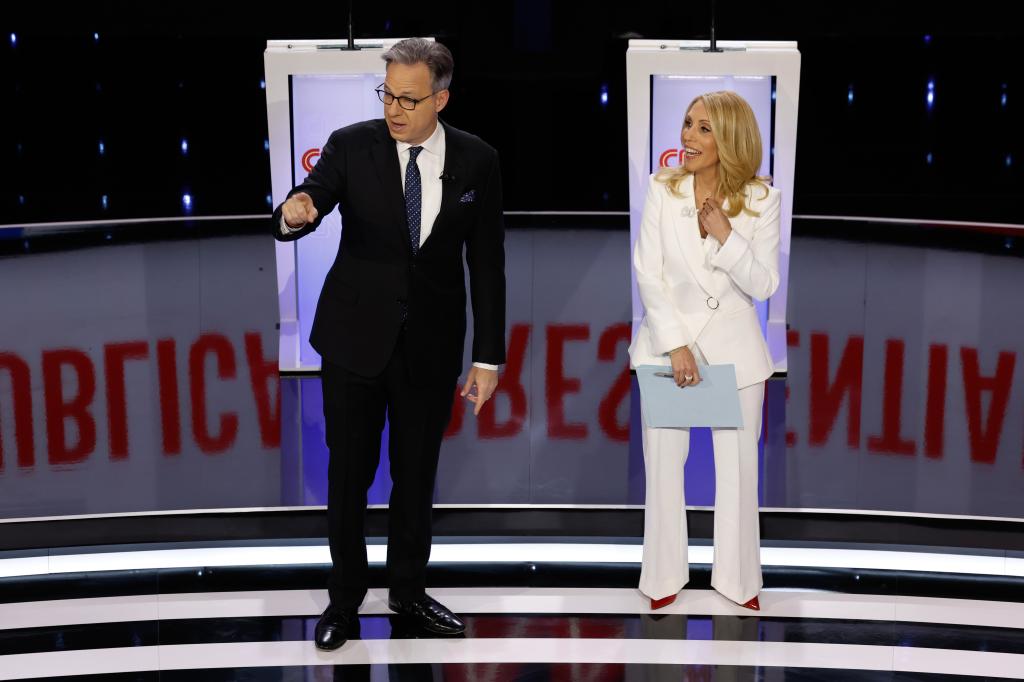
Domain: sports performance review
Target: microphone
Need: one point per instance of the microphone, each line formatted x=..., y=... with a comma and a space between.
x=445, y=175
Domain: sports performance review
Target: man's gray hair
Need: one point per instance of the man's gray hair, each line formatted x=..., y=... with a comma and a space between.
x=436, y=56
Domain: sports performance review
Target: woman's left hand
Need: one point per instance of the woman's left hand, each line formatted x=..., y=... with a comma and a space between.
x=714, y=221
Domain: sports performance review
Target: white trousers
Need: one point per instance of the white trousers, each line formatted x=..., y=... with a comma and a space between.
x=736, y=572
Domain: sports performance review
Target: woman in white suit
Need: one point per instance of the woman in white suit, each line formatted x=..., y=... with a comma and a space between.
x=708, y=246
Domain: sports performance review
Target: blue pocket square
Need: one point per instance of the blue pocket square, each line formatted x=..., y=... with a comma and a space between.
x=468, y=197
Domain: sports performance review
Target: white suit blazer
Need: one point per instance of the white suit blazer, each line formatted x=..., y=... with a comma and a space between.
x=704, y=297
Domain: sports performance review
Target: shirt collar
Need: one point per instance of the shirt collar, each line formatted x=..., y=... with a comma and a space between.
x=433, y=144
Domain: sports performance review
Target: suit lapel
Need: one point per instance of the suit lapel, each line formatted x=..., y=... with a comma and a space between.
x=687, y=231
x=385, y=161
x=454, y=177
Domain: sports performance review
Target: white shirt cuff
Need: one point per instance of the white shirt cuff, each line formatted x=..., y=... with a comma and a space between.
x=484, y=365
x=288, y=229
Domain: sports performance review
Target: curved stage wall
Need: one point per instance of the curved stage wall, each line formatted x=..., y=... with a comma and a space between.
x=137, y=374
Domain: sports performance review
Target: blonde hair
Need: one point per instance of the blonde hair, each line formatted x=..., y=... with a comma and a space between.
x=739, y=151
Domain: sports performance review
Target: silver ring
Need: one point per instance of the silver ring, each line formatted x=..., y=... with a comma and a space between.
x=709, y=302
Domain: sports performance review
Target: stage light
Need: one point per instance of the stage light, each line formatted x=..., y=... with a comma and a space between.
x=604, y=94
x=103, y=148
x=21, y=199
x=270, y=200
x=263, y=85
x=927, y=39
x=929, y=158
x=266, y=145
x=849, y=95
x=930, y=97
x=184, y=146
x=95, y=37
x=186, y=201
x=104, y=202
x=14, y=40
x=1009, y=160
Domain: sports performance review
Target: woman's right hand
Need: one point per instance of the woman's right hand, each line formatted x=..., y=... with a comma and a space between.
x=684, y=367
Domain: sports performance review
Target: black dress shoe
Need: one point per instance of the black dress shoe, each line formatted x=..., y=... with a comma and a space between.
x=426, y=613
x=402, y=627
x=335, y=627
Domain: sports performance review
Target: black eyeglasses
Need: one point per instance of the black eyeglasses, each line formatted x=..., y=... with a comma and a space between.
x=407, y=103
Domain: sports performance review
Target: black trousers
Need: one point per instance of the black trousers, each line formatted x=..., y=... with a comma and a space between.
x=355, y=408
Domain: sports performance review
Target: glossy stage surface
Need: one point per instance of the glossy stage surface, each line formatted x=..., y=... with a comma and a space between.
x=534, y=611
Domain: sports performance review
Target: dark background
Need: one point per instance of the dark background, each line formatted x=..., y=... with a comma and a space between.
x=528, y=79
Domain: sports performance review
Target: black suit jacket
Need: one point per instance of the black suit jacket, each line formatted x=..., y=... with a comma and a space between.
x=359, y=314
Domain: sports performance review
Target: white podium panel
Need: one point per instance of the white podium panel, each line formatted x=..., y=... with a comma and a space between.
x=313, y=88
x=663, y=77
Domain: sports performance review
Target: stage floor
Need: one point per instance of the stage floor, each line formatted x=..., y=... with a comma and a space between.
x=534, y=611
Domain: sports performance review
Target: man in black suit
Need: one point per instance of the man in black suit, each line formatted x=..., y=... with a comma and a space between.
x=414, y=193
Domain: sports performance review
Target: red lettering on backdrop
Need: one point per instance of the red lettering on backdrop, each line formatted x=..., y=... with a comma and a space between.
x=935, y=410
x=21, y=399
x=262, y=371
x=558, y=385
x=224, y=354
x=59, y=410
x=510, y=384
x=792, y=341
x=985, y=440
x=609, y=407
x=114, y=357
x=826, y=399
x=892, y=405
x=170, y=413
x=827, y=395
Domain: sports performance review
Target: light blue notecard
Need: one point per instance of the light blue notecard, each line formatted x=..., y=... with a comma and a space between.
x=713, y=402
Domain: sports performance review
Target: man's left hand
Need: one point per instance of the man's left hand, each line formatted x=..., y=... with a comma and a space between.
x=485, y=381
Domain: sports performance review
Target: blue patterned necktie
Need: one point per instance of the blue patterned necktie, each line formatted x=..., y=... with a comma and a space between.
x=413, y=198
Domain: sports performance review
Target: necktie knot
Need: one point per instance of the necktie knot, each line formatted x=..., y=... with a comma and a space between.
x=414, y=152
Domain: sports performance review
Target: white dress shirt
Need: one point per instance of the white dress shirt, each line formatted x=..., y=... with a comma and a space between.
x=430, y=161
x=431, y=164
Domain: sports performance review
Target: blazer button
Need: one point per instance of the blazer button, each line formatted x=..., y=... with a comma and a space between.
x=712, y=302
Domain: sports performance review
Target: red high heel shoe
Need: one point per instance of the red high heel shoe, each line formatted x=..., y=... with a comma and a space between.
x=664, y=601
x=753, y=605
